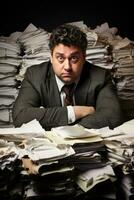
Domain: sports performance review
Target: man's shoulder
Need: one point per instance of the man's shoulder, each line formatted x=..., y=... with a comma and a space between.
x=94, y=68
x=37, y=73
x=39, y=68
x=96, y=73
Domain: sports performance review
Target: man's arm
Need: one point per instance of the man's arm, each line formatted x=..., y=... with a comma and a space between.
x=107, y=111
x=28, y=104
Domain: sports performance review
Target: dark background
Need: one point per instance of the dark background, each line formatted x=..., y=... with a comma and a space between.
x=46, y=14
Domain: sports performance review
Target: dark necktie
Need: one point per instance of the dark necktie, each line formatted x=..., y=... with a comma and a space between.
x=68, y=89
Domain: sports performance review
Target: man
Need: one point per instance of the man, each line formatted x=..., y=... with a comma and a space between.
x=41, y=96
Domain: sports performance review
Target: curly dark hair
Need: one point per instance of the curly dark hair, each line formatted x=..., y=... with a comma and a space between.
x=68, y=35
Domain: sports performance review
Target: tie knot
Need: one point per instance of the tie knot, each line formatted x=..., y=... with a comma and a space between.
x=69, y=89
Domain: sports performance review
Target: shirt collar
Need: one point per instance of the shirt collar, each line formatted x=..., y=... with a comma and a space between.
x=61, y=83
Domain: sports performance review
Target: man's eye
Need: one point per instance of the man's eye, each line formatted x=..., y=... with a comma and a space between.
x=60, y=59
x=74, y=59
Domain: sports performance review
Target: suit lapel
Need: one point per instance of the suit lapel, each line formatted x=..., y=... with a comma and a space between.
x=54, y=96
x=81, y=93
x=83, y=87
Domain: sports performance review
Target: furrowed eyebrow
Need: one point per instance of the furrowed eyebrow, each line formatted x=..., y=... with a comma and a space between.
x=61, y=54
x=72, y=54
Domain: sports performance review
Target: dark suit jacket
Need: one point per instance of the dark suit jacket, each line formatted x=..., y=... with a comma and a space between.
x=39, y=88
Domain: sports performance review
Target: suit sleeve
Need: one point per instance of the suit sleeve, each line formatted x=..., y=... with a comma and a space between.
x=108, y=111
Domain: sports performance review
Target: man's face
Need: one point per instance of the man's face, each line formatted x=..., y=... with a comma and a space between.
x=67, y=62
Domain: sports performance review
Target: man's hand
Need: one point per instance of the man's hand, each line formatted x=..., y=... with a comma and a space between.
x=82, y=111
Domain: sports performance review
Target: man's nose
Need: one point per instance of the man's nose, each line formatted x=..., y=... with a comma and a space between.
x=67, y=64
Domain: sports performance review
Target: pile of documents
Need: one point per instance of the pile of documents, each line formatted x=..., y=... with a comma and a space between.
x=119, y=143
x=35, y=50
x=63, y=163
x=90, y=154
x=10, y=60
